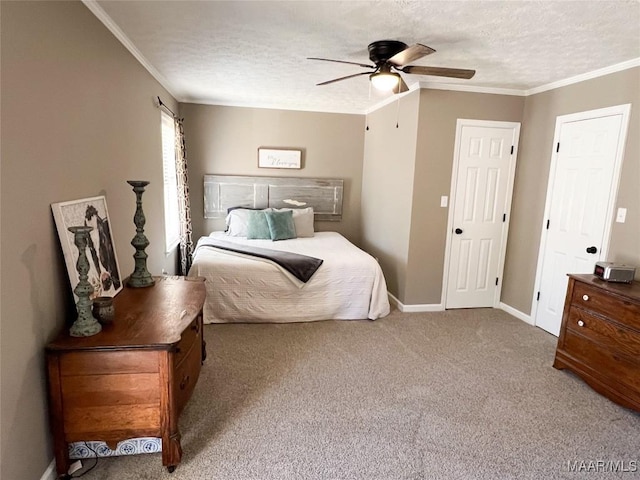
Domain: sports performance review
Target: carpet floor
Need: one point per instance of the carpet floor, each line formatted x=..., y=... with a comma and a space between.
x=460, y=394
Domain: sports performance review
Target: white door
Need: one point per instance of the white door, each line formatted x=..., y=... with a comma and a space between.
x=484, y=167
x=578, y=207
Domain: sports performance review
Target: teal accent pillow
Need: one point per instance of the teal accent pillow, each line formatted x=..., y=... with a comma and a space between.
x=281, y=225
x=257, y=226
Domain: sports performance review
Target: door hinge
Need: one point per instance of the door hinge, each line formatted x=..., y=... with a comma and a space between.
x=538, y=297
x=496, y=280
x=511, y=149
x=558, y=147
x=548, y=221
x=504, y=217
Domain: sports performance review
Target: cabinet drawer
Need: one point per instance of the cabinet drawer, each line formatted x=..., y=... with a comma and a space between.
x=618, y=308
x=190, y=336
x=95, y=423
x=609, y=367
x=105, y=363
x=186, y=376
x=608, y=334
x=103, y=390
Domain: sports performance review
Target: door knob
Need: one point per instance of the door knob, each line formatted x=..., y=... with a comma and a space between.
x=592, y=250
x=458, y=231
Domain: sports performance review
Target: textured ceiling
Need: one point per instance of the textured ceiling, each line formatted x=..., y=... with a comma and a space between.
x=253, y=53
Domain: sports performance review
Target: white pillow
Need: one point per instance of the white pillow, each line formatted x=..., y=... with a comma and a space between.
x=302, y=219
x=238, y=222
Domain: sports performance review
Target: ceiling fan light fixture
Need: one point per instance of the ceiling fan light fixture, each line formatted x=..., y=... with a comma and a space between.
x=390, y=57
x=385, y=81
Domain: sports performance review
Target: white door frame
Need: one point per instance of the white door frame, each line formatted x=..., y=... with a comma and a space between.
x=463, y=122
x=623, y=110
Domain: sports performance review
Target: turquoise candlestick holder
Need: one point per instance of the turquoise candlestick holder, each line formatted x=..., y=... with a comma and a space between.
x=140, y=276
x=86, y=324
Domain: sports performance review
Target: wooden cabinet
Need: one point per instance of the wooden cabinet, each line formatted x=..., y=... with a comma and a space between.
x=134, y=378
x=600, y=337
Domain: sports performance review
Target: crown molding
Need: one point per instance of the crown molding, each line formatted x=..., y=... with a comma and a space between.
x=108, y=22
x=458, y=87
x=444, y=86
x=386, y=101
x=618, y=67
x=223, y=103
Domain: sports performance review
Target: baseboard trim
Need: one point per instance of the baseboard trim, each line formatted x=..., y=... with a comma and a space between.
x=516, y=313
x=440, y=308
x=427, y=307
x=50, y=472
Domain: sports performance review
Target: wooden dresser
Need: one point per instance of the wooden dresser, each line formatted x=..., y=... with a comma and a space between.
x=600, y=337
x=134, y=377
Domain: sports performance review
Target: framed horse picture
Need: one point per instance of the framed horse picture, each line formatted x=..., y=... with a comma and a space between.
x=104, y=271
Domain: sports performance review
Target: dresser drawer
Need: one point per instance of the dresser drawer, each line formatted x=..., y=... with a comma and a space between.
x=111, y=390
x=620, y=309
x=608, y=366
x=191, y=336
x=609, y=335
x=186, y=375
x=108, y=362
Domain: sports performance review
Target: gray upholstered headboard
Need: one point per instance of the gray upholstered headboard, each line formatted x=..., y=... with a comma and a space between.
x=224, y=191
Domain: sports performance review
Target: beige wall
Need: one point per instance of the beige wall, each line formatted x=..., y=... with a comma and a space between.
x=532, y=174
x=439, y=112
x=78, y=120
x=225, y=140
x=406, y=171
x=388, y=172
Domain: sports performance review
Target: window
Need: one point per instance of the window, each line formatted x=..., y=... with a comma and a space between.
x=171, y=214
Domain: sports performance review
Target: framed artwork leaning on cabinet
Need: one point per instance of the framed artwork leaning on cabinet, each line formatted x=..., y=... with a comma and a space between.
x=104, y=271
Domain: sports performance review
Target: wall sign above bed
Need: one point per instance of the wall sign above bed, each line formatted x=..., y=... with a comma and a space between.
x=225, y=191
x=279, y=158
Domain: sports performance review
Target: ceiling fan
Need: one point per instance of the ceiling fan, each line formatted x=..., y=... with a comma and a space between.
x=392, y=56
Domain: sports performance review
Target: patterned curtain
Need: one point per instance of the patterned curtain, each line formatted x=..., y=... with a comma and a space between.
x=186, y=241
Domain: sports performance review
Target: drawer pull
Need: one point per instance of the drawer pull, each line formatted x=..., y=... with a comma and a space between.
x=585, y=297
x=580, y=323
x=184, y=382
x=196, y=327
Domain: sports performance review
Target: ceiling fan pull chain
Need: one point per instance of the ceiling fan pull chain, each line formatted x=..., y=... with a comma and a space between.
x=367, y=117
x=397, y=112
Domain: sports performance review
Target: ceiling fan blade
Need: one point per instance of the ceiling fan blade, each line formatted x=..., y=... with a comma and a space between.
x=409, y=54
x=343, y=78
x=341, y=61
x=439, y=71
x=401, y=87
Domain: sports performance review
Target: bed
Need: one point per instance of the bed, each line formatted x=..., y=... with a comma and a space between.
x=349, y=284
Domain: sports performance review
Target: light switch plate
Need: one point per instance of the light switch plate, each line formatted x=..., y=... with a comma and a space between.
x=622, y=215
x=444, y=201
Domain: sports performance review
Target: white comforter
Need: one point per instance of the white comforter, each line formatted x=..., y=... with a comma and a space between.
x=348, y=285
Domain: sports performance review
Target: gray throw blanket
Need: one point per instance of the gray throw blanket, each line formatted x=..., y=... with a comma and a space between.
x=300, y=266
